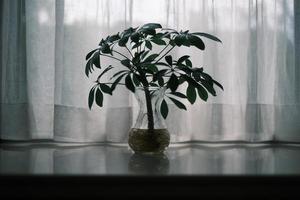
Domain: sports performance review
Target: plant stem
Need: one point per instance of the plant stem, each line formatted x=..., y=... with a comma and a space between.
x=163, y=49
x=117, y=84
x=148, y=102
x=111, y=57
x=121, y=54
x=129, y=51
x=149, y=109
x=164, y=54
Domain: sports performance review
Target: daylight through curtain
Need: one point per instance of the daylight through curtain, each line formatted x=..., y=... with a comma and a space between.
x=44, y=89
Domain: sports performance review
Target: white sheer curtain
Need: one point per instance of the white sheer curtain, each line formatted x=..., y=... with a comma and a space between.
x=44, y=89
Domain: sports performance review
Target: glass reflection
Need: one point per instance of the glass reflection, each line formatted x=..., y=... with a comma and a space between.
x=149, y=164
x=192, y=159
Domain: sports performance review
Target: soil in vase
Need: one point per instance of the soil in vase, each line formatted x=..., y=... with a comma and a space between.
x=149, y=141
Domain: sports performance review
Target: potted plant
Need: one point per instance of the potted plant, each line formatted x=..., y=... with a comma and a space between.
x=154, y=77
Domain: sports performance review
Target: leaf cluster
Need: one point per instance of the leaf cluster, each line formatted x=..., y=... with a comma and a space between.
x=143, y=67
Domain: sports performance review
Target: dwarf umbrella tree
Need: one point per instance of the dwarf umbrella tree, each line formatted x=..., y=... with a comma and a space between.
x=144, y=67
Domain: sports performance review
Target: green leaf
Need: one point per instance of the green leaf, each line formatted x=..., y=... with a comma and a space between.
x=196, y=41
x=105, y=48
x=163, y=64
x=197, y=76
x=181, y=80
x=99, y=97
x=136, y=45
x=104, y=71
x=153, y=85
x=218, y=84
x=209, y=87
x=161, y=81
x=90, y=54
x=178, y=103
x=144, y=54
x=184, y=68
x=159, y=74
x=153, y=68
x=135, y=60
x=152, y=26
x=138, y=54
x=183, y=58
x=202, y=93
x=101, y=42
x=173, y=83
x=169, y=59
x=115, y=83
x=158, y=41
x=113, y=38
x=180, y=39
x=151, y=58
x=105, y=88
x=128, y=31
x=197, y=72
x=135, y=37
x=206, y=76
x=188, y=63
x=208, y=36
x=191, y=94
x=186, y=41
x=169, y=29
x=96, y=60
x=190, y=80
x=197, y=69
x=122, y=42
x=119, y=72
x=164, y=110
x=179, y=94
x=88, y=67
x=91, y=97
x=148, y=31
x=129, y=84
x=135, y=79
x=148, y=44
x=172, y=43
x=126, y=63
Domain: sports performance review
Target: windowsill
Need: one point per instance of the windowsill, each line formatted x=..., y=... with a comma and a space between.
x=48, y=169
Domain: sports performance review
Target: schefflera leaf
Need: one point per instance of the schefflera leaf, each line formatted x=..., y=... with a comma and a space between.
x=145, y=64
x=191, y=94
x=129, y=84
x=178, y=103
x=105, y=88
x=173, y=83
x=93, y=58
x=164, y=110
x=209, y=36
x=99, y=97
x=91, y=97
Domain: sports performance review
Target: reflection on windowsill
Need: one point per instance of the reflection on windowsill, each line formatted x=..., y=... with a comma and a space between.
x=149, y=164
x=196, y=159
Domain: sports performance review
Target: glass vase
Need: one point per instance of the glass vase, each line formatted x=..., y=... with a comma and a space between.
x=149, y=133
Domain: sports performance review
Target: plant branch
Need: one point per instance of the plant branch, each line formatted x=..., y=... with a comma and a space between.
x=128, y=51
x=111, y=57
x=144, y=45
x=163, y=49
x=121, y=54
x=117, y=84
x=164, y=54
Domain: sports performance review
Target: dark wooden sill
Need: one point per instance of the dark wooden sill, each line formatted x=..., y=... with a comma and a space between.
x=108, y=187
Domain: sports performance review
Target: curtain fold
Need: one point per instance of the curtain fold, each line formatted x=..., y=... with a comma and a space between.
x=44, y=89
